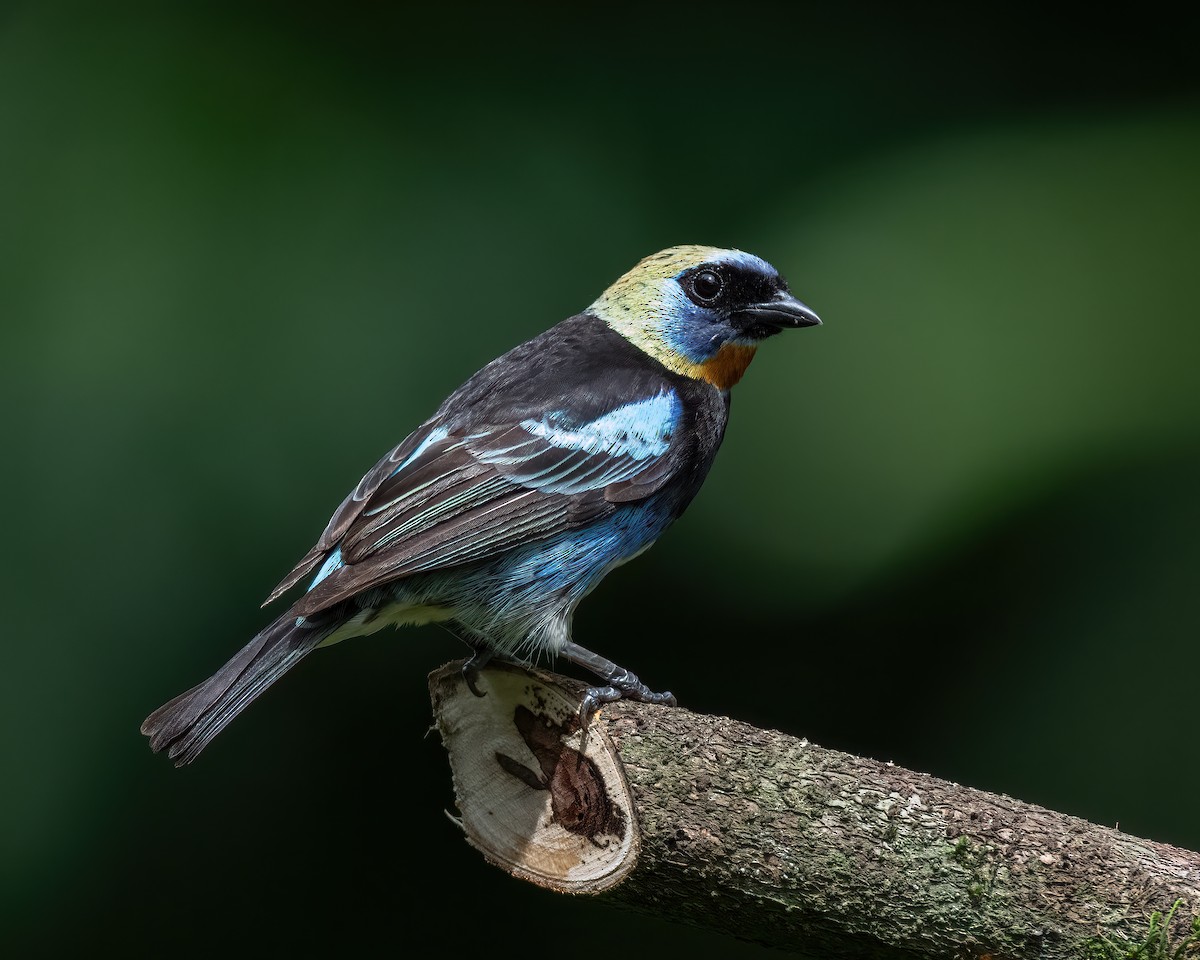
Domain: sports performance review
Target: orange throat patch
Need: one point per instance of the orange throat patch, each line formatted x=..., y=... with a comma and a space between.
x=726, y=368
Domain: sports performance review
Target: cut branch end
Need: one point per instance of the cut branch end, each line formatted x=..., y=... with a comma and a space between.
x=530, y=800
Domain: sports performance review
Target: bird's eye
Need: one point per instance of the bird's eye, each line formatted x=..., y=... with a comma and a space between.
x=707, y=285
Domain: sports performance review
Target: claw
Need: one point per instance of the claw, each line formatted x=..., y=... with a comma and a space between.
x=622, y=684
x=470, y=669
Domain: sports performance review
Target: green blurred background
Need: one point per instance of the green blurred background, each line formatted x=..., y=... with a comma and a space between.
x=245, y=248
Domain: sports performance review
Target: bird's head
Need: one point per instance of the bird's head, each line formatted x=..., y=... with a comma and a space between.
x=702, y=311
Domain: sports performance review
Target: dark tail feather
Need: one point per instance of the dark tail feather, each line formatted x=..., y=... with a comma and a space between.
x=184, y=726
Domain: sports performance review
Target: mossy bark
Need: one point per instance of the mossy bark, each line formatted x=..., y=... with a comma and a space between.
x=776, y=840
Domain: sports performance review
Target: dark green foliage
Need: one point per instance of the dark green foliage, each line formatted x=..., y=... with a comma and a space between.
x=1162, y=941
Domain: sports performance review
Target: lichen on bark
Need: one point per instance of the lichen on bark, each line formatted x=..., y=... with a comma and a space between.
x=774, y=839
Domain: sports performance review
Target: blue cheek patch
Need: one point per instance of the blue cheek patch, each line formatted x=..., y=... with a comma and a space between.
x=693, y=332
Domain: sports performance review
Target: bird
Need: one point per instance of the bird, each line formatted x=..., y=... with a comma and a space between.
x=551, y=466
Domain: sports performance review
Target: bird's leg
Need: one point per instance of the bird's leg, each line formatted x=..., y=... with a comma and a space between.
x=470, y=670
x=621, y=683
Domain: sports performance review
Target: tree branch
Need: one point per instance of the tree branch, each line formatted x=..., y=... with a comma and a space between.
x=769, y=838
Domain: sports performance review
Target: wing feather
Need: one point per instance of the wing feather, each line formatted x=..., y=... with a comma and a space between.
x=406, y=450
x=445, y=498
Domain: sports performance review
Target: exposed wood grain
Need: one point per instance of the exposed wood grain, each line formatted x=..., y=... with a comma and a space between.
x=774, y=839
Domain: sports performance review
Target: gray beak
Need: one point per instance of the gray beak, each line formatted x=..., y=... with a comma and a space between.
x=762, y=320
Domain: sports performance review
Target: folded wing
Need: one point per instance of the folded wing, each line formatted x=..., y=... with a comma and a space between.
x=445, y=497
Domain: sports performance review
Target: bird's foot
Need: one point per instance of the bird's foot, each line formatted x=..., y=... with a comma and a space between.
x=619, y=683
x=470, y=669
x=621, y=686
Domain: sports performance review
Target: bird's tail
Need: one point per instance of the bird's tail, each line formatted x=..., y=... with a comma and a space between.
x=184, y=726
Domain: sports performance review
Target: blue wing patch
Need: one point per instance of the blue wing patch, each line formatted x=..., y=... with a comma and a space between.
x=560, y=454
x=332, y=562
x=640, y=429
x=458, y=498
x=436, y=435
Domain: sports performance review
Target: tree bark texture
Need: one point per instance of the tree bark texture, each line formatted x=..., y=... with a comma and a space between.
x=776, y=840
